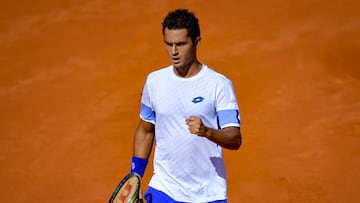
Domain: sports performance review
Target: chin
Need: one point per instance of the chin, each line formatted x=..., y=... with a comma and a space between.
x=177, y=65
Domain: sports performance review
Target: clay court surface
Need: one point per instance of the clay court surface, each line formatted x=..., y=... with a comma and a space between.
x=71, y=75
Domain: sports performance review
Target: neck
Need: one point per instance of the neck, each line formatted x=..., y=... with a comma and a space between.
x=189, y=71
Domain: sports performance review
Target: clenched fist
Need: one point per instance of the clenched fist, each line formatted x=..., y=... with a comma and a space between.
x=196, y=126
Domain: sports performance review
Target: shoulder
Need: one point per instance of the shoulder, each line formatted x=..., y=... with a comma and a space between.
x=216, y=76
x=158, y=75
x=165, y=71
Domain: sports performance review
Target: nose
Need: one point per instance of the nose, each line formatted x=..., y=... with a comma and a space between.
x=174, y=50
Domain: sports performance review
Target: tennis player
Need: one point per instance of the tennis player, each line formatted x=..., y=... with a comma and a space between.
x=190, y=112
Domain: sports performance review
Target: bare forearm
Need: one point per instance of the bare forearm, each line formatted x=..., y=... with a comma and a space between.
x=229, y=138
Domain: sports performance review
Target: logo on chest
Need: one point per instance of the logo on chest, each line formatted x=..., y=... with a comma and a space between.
x=197, y=100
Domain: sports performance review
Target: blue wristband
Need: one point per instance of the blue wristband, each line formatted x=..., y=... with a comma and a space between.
x=138, y=165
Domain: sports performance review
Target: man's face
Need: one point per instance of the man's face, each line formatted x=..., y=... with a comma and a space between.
x=180, y=48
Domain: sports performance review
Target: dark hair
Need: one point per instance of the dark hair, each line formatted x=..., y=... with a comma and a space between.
x=182, y=18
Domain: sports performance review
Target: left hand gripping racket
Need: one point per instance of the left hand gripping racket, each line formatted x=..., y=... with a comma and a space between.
x=128, y=190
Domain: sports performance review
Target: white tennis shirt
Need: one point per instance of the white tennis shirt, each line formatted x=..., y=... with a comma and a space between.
x=187, y=167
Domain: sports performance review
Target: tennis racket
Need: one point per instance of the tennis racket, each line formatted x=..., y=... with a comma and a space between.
x=128, y=190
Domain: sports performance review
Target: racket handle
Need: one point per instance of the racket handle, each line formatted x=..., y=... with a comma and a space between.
x=140, y=197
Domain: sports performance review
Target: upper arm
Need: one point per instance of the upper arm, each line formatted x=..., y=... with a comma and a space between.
x=144, y=138
x=145, y=127
x=226, y=105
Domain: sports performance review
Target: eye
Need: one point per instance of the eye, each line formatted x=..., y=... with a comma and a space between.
x=180, y=44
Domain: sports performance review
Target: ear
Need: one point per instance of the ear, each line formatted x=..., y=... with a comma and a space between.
x=197, y=42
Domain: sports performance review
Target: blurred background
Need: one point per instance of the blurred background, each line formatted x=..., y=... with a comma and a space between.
x=71, y=75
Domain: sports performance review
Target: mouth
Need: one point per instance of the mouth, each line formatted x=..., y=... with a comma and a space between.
x=175, y=60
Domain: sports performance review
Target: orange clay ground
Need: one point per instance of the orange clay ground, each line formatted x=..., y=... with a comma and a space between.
x=72, y=73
